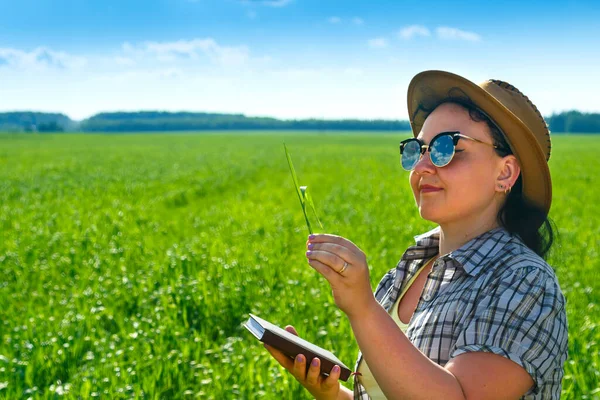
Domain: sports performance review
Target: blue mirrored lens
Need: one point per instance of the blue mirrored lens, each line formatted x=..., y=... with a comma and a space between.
x=411, y=154
x=442, y=150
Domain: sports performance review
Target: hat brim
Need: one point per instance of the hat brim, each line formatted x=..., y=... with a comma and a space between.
x=430, y=87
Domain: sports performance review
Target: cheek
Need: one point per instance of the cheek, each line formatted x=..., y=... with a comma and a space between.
x=471, y=185
x=414, y=183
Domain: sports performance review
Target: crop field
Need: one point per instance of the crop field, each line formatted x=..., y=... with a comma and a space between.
x=128, y=263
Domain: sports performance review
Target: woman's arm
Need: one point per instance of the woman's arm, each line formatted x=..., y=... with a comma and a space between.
x=345, y=393
x=402, y=371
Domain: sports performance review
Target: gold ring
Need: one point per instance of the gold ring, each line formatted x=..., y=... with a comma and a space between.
x=341, y=271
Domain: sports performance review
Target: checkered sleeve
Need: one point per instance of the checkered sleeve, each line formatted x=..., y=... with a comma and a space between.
x=521, y=316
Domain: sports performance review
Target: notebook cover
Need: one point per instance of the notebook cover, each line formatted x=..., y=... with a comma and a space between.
x=292, y=345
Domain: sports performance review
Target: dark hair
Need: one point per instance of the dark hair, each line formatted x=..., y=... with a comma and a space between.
x=518, y=215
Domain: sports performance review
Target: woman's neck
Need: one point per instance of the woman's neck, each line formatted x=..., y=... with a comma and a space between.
x=454, y=236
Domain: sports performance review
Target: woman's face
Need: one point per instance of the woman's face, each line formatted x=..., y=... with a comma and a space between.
x=466, y=188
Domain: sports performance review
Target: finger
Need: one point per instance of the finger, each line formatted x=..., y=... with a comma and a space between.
x=339, y=240
x=291, y=330
x=312, y=377
x=324, y=270
x=340, y=251
x=299, y=369
x=281, y=358
x=333, y=379
x=331, y=260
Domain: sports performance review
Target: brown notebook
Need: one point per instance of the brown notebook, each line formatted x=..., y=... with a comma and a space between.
x=291, y=345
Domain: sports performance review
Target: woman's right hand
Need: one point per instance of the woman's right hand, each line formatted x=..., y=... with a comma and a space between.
x=321, y=387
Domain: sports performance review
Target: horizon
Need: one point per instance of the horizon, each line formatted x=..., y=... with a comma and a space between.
x=287, y=59
x=241, y=114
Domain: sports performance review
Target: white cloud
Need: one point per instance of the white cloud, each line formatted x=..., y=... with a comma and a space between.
x=40, y=58
x=335, y=20
x=268, y=3
x=191, y=49
x=124, y=61
x=448, y=33
x=411, y=31
x=358, y=21
x=378, y=43
x=442, y=32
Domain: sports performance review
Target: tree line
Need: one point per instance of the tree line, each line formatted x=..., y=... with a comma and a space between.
x=147, y=121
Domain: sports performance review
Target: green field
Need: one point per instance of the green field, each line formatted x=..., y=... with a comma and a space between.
x=129, y=262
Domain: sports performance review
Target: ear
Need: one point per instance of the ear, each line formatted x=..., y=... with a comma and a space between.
x=509, y=170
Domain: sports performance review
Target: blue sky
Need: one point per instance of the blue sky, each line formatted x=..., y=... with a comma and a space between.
x=288, y=58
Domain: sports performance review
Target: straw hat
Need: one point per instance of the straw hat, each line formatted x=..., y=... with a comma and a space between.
x=517, y=117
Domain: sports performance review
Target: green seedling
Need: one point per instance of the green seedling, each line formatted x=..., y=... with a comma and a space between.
x=303, y=194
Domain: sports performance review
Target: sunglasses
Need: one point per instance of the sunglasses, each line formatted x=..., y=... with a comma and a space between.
x=441, y=149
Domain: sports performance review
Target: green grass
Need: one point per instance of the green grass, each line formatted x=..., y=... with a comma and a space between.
x=129, y=262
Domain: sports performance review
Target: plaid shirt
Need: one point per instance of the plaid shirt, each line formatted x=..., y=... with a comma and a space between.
x=493, y=294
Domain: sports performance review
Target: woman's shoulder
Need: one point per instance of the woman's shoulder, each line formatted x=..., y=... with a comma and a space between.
x=517, y=256
x=518, y=264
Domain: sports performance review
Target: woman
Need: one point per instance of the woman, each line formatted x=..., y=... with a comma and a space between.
x=472, y=311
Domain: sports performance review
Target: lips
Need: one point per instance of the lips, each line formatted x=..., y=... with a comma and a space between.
x=429, y=188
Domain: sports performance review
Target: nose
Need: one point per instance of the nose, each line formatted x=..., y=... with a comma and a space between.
x=424, y=165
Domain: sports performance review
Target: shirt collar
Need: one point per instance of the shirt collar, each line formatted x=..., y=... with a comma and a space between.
x=470, y=255
x=427, y=246
x=429, y=239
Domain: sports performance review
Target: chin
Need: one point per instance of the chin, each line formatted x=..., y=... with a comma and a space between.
x=430, y=215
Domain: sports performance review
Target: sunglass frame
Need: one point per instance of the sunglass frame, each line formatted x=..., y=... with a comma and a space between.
x=455, y=135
